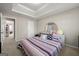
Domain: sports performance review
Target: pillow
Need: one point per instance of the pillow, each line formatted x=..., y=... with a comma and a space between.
x=44, y=36
x=56, y=37
x=59, y=37
x=49, y=37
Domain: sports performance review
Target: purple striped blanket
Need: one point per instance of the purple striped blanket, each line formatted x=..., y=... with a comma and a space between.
x=36, y=47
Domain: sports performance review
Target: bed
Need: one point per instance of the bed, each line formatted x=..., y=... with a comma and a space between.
x=37, y=46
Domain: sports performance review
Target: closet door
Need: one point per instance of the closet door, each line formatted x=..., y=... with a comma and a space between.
x=2, y=31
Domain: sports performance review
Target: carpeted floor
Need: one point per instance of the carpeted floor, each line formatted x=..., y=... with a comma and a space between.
x=10, y=49
x=68, y=51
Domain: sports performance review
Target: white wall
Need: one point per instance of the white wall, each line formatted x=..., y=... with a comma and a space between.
x=32, y=28
x=21, y=25
x=68, y=21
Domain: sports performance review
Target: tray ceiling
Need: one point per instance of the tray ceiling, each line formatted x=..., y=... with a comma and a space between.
x=33, y=6
x=38, y=10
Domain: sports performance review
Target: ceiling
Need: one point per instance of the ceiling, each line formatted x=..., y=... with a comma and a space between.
x=37, y=10
x=32, y=6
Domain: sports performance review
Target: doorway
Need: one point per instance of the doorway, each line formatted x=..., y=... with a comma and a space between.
x=9, y=35
x=10, y=28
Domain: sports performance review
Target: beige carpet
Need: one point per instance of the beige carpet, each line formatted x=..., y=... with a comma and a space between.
x=68, y=51
x=10, y=49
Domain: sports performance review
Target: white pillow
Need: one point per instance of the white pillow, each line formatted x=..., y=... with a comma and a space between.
x=44, y=36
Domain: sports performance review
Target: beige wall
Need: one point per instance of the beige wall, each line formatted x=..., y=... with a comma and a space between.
x=68, y=21
x=21, y=25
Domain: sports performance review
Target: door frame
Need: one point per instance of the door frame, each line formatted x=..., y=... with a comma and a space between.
x=0, y=32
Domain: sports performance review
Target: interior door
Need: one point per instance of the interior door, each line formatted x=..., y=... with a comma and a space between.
x=2, y=31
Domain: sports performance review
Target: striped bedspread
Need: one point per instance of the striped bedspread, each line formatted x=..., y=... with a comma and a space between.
x=37, y=47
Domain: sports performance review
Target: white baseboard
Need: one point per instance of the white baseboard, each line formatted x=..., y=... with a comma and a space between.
x=70, y=46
